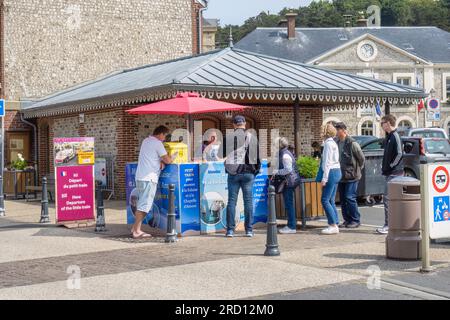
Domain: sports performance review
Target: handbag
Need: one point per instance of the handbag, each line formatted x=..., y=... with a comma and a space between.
x=279, y=182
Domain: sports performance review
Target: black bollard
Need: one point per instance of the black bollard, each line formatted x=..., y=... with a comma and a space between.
x=44, y=203
x=100, y=223
x=272, y=240
x=171, y=235
x=303, y=199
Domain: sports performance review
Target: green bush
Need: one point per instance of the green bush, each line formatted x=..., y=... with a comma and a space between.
x=20, y=163
x=308, y=167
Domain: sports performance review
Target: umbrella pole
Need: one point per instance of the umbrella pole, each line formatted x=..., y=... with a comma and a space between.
x=190, y=129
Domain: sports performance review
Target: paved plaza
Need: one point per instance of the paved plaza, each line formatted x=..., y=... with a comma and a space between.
x=37, y=262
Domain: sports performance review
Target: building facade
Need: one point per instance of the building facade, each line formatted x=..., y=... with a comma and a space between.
x=277, y=98
x=411, y=56
x=209, y=30
x=48, y=46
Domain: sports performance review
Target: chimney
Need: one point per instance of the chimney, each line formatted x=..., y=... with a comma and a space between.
x=290, y=16
x=283, y=23
x=362, y=21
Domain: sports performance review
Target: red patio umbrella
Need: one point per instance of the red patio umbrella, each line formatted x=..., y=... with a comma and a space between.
x=187, y=103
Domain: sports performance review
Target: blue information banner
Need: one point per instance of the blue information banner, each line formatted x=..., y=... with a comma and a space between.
x=185, y=179
x=2, y=107
x=214, y=199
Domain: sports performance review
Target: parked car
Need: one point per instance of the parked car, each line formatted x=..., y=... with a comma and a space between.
x=416, y=151
x=362, y=140
x=427, y=133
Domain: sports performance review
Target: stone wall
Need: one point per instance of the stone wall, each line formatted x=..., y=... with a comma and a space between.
x=51, y=45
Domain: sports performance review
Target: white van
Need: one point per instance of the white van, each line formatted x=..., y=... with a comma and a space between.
x=427, y=133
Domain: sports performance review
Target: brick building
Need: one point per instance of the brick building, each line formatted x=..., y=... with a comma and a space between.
x=47, y=46
x=281, y=94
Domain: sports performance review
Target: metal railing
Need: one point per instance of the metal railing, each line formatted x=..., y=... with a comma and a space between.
x=110, y=177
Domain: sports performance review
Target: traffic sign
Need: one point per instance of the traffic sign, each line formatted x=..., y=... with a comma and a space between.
x=436, y=197
x=2, y=107
x=433, y=104
x=440, y=179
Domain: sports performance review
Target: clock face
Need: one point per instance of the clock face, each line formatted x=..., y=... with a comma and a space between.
x=367, y=50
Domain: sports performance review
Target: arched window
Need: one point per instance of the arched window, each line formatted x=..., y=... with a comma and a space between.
x=404, y=125
x=367, y=128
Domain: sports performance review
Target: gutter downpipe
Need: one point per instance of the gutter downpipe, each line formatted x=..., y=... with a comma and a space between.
x=200, y=27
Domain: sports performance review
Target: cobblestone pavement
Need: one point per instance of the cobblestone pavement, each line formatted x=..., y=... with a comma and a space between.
x=36, y=257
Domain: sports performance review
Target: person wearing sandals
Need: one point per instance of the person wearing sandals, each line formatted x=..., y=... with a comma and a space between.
x=331, y=175
x=287, y=168
x=152, y=159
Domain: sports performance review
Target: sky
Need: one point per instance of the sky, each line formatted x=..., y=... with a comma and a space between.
x=235, y=12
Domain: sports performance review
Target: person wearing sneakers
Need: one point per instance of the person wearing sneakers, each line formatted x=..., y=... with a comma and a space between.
x=242, y=166
x=352, y=161
x=287, y=168
x=392, y=166
x=152, y=159
x=331, y=169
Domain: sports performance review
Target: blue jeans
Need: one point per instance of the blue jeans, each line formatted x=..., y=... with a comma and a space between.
x=349, y=204
x=235, y=183
x=289, y=204
x=329, y=196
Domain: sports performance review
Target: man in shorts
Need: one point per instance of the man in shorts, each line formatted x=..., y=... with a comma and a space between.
x=152, y=159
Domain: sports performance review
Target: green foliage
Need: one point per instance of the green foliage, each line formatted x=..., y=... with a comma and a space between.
x=308, y=167
x=322, y=14
x=19, y=164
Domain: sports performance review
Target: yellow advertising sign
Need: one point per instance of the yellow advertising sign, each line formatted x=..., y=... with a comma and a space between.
x=86, y=157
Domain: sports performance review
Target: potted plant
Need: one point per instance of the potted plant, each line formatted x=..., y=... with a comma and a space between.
x=19, y=175
x=308, y=168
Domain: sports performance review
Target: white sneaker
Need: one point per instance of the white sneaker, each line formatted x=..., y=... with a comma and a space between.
x=330, y=230
x=384, y=230
x=287, y=230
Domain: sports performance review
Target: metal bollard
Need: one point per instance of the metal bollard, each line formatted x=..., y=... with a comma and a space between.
x=44, y=203
x=303, y=199
x=272, y=240
x=171, y=235
x=100, y=223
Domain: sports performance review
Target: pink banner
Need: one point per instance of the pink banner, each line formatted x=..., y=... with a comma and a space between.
x=75, y=193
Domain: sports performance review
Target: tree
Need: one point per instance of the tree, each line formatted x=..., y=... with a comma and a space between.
x=323, y=13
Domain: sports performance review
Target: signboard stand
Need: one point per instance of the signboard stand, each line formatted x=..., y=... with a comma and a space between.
x=74, y=182
x=79, y=224
x=426, y=266
x=435, y=193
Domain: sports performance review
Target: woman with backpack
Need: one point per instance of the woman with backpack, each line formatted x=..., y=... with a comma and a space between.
x=287, y=169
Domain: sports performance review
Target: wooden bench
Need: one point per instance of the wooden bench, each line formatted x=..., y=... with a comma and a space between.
x=38, y=189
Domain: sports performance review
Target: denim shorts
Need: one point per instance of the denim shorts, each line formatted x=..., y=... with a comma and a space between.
x=147, y=192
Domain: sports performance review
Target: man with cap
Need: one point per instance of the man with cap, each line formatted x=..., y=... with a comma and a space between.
x=352, y=161
x=242, y=165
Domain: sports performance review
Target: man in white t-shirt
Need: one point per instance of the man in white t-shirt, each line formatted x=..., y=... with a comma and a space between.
x=152, y=159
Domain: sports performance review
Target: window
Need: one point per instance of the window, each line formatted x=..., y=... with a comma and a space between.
x=367, y=128
x=404, y=125
x=446, y=87
x=404, y=81
x=376, y=145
